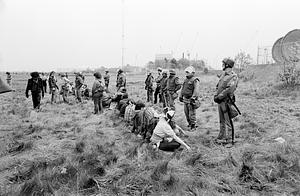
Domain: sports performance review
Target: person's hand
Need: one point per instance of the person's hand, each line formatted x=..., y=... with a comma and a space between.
x=27, y=95
x=188, y=148
x=217, y=99
x=181, y=99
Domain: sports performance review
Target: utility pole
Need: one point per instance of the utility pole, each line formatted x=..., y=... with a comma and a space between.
x=257, y=58
x=123, y=34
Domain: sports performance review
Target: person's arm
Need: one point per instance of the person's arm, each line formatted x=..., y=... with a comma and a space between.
x=231, y=86
x=177, y=84
x=181, y=130
x=196, y=92
x=41, y=85
x=28, y=87
x=177, y=139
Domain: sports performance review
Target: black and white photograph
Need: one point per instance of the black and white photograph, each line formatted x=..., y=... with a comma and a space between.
x=149, y=98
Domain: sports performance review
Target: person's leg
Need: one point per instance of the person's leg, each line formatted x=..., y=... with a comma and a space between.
x=156, y=93
x=100, y=105
x=222, y=132
x=169, y=146
x=34, y=99
x=186, y=112
x=96, y=105
x=228, y=130
x=171, y=102
x=151, y=96
x=192, y=116
x=38, y=100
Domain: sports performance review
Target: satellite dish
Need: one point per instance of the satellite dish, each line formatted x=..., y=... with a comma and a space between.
x=290, y=46
x=276, y=51
x=4, y=88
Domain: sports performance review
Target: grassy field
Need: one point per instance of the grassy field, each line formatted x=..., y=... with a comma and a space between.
x=66, y=150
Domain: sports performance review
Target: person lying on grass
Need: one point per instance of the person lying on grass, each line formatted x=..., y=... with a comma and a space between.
x=164, y=137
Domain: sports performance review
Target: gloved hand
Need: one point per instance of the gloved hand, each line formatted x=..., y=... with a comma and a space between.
x=181, y=99
x=27, y=95
x=217, y=99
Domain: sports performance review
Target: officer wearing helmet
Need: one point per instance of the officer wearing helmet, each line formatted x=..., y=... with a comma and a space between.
x=173, y=86
x=121, y=79
x=106, y=78
x=163, y=87
x=149, y=87
x=79, y=81
x=190, y=96
x=225, y=98
x=158, y=86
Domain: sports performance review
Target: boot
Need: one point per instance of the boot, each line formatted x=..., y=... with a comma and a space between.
x=193, y=127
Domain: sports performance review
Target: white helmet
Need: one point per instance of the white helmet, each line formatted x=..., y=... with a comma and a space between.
x=190, y=69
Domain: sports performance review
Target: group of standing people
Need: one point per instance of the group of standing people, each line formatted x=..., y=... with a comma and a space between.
x=167, y=91
x=168, y=87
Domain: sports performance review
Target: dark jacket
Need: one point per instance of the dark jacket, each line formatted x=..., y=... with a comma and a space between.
x=35, y=85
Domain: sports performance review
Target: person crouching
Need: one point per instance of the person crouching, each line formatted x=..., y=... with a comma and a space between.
x=164, y=137
x=97, y=93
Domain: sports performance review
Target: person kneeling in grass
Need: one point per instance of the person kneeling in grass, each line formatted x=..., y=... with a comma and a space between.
x=164, y=137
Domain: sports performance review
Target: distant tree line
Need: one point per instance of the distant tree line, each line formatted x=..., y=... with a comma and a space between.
x=176, y=64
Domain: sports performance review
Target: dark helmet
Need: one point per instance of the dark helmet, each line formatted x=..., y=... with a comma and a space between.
x=106, y=71
x=172, y=72
x=228, y=63
x=8, y=73
x=35, y=74
x=98, y=75
x=123, y=90
x=120, y=71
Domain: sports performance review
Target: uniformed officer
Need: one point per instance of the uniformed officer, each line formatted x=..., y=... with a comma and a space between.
x=78, y=84
x=158, y=86
x=190, y=96
x=106, y=78
x=173, y=86
x=149, y=87
x=163, y=87
x=224, y=97
x=121, y=80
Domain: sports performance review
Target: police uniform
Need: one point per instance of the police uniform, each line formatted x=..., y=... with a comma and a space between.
x=106, y=79
x=173, y=86
x=158, y=87
x=225, y=88
x=190, y=93
x=149, y=87
x=121, y=80
x=163, y=88
x=78, y=85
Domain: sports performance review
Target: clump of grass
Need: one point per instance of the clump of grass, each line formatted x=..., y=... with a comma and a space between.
x=193, y=158
x=79, y=147
x=110, y=159
x=20, y=146
x=36, y=187
x=160, y=169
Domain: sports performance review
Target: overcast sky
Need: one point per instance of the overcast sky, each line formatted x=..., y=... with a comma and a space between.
x=56, y=34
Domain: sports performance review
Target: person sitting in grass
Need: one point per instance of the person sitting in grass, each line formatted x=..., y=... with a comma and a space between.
x=164, y=137
x=106, y=99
